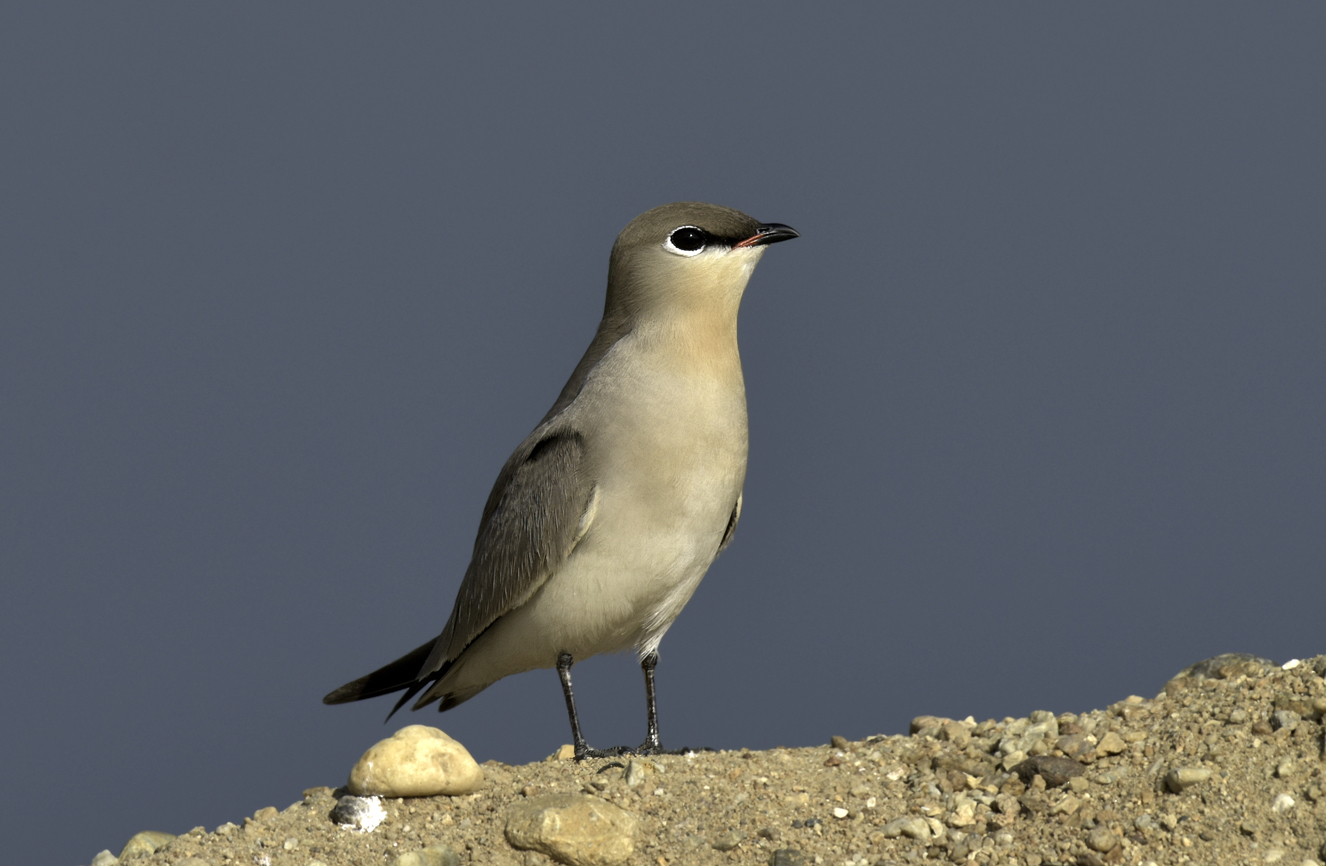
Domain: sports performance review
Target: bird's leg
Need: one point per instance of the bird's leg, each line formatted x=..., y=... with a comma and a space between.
x=651, y=745
x=564, y=662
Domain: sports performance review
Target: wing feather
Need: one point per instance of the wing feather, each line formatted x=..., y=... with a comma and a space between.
x=530, y=524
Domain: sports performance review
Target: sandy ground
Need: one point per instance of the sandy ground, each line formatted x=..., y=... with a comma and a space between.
x=1223, y=767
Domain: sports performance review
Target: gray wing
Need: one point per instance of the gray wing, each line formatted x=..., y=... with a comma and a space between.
x=531, y=523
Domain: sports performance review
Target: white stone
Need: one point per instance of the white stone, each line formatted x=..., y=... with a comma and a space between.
x=1282, y=804
x=366, y=813
x=416, y=761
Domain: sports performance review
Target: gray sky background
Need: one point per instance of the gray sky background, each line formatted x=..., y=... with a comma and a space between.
x=1037, y=400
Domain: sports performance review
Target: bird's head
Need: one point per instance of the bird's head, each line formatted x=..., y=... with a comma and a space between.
x=687, y=257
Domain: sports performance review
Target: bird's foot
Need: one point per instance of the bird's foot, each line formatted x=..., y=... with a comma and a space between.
x=583, y=752
x=644, y=750
x=647, y=749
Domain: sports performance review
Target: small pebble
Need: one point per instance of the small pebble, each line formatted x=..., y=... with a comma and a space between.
x=926, y=726
x=911, y=827
x=1055, y=771
x=433, y=855
x=1075, y=745
x=1285, y=719
x=956, y=733
x=727, y=841
x=1110, y=744
x=1283, y=803
x=144, y=843
x=787, y=857
x=634, y=774
x=1102, y=840
x=1180, y=779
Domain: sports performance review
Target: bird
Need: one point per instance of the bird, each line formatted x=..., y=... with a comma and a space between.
x=605, y=518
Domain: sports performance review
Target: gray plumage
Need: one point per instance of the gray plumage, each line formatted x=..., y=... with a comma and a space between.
x=603, y=521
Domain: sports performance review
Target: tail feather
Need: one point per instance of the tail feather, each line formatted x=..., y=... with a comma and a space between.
x=413, y=690
x=403, y=674
x=400, y=674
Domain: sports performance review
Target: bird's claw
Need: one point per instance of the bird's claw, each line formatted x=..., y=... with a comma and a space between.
x=644, y=750
x=584, y=752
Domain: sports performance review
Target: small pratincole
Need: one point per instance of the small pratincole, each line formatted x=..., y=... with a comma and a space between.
x=604, y=520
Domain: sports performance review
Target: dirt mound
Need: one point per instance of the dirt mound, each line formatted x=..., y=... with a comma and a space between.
x=1224, y=766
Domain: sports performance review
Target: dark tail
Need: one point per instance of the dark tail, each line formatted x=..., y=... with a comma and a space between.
x=400, y=674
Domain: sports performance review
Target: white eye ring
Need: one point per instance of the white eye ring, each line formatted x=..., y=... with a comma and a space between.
x=700, y=234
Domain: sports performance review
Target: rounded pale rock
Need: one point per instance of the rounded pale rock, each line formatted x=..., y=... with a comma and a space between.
x=575, y=829
x=144, y=843
x=1102, y=840
x=1181, y=778
x=911, y=827
x=416, y=761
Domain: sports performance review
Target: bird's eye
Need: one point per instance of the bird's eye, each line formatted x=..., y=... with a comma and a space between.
x=687, y=240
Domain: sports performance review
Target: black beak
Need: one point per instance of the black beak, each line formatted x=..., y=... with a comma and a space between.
x=770, y=233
